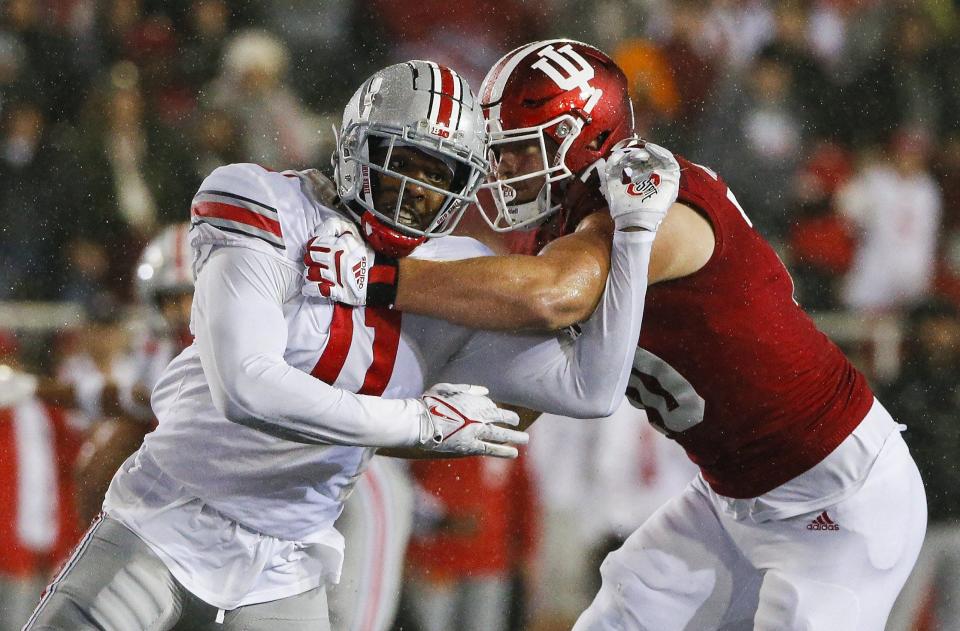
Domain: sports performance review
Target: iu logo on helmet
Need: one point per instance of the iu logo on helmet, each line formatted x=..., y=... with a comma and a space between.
x=569, y=70
x=645, y=189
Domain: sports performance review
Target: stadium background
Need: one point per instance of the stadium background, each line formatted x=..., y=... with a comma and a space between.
x=835, y=121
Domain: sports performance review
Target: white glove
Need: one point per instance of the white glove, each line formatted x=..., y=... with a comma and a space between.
x=336, y=263
x=459, y=419
x=640, y=182
x=341, y=266
x=15, y=386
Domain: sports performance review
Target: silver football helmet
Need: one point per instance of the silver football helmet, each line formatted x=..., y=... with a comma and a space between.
x=417, y=104
x=165, y=265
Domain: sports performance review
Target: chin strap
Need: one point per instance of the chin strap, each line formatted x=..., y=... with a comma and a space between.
x=387, y=240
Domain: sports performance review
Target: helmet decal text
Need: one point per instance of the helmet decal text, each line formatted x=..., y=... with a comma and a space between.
x=367, y=192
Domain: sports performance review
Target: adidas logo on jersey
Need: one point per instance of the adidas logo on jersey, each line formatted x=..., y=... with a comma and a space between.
x=823, y=522
x=360, y=272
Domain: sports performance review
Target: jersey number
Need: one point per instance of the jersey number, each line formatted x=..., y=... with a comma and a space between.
x=386, y=340
x=672, y=405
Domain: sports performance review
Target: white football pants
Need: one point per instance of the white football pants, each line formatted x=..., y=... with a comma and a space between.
x=694, y=567
x=115, y=582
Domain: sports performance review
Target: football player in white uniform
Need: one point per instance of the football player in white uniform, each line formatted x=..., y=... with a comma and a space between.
x=225, y=515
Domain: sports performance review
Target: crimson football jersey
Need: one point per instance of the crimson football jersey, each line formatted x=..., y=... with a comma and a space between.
x=732, y=368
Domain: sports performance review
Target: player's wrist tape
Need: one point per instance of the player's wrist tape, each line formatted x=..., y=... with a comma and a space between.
x=382, y=281
x=646, y=221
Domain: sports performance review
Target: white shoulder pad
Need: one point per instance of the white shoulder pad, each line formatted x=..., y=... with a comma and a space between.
x=248, y=205
x=451, y=249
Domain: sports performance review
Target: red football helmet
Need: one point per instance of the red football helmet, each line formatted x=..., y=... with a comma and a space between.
x=553, y=108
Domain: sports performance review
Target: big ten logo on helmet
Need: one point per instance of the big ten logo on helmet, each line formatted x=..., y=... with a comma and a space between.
x=555, y=62
x=439, y=130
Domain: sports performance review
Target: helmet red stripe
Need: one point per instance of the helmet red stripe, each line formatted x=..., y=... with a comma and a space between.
x=446, y=96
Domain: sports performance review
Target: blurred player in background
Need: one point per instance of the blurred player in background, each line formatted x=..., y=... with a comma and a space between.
x=479, y=534
x=597, y=482
x=225, y=514
x=37, y=519
x=107, y=382
x=164, y=282
x=375, y=523
x=809, y=511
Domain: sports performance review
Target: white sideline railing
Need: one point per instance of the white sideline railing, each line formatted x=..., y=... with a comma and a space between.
x=40, y=316
x=881, y=334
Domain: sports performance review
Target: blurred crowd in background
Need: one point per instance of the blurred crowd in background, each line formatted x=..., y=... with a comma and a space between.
x=835, y=122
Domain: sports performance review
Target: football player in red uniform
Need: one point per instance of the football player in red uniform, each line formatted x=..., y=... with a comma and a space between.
x=809, y=511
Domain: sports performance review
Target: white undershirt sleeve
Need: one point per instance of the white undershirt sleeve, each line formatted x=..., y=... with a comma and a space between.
x=241, y=334
x=583, y=377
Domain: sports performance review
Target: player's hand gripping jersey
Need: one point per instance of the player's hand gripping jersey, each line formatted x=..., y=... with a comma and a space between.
x=259, y=417
x=731, y=367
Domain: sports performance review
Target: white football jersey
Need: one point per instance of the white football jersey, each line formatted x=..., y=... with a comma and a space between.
x=276, y=486
x=248, y=437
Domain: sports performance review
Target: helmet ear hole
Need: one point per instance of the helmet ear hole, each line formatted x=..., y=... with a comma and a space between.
x=598, y=142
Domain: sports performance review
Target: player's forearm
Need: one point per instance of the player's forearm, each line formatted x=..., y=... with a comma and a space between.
x=590, y=381
x=57, y=393
x=502, y=293
x=92, y=393
x=605, y=350
x=560, y=287
x=584, y=378
x=273, y=397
